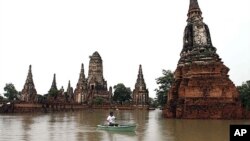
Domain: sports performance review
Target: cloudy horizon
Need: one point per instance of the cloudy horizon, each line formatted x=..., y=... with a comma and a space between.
x=57, y=36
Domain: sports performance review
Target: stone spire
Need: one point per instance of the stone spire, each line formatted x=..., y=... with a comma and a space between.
x=29, y=93
x=53, y=91
x=29, y=77
x=140, y=92
x=69, y=86
x=70, y=93
x=54, y=82
x=140, y=79
x=194, y=9
x=81, y=87
x=30, y=73
x=82, y=75
x=197, y=43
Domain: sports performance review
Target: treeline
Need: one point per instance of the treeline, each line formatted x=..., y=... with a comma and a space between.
x=244, y=91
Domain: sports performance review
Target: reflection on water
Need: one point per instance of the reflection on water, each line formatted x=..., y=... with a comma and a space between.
x=81, y=126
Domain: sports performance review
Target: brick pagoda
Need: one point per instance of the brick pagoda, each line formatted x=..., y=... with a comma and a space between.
x=81, y=90
x=140, y=92
x=29, y=93
x=96, y=84
x=201, y=88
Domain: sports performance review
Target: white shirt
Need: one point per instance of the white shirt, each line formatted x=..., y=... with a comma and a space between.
x=111, y=119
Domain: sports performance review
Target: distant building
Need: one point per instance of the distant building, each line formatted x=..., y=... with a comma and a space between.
x=61, y=98
x=94, y=87
x=53, y=91
x=81, y=90
x=97, y=86
x=70, y=94
x=88, y=90
x=29, y=93
x=140, y=92
x=53, y=85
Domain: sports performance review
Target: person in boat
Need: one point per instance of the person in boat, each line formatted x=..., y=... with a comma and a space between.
x=111, y=119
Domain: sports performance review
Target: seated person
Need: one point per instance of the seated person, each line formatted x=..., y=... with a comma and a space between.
x=111, y=119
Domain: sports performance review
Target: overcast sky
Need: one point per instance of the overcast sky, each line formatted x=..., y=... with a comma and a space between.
x=56, y=36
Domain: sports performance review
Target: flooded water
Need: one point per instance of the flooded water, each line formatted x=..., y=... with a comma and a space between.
x=81, y=126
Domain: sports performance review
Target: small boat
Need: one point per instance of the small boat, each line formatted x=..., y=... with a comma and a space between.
x=129, y=127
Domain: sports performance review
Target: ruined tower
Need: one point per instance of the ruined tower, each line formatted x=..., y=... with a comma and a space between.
x=81, y=87
x=53, y=91
x=70, y=94
x=97, y=86
x=201, y=88
x=61, y=96
x=95, y=75
x=53, y=85
x=140, y=92
x=29, y=93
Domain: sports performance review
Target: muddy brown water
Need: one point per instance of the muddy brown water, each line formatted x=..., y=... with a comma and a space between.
x=81, y=126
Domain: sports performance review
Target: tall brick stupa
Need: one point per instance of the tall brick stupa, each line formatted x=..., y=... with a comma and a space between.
x=140, y=92
x=202, y=88
x=96, y=84
x=29, y=93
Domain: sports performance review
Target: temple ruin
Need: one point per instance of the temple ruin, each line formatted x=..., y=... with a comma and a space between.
x=70, y=94
x=81, y=90
x=140, y=92
x=96, y=85
x=29, y=93
x=201, y=88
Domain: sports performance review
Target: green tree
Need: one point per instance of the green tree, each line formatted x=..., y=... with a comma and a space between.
x=98, y=100
x=1, y=98
x=164, y=83
x=244, y=91
x=152, y=102
x=53, y=92
x=11, y=92
x=121, y=93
